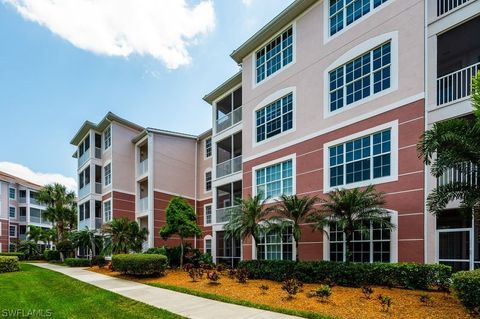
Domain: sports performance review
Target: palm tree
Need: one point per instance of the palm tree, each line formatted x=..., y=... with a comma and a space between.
x=35, y=233
x=454, y=144
x=29, y=248
x=87, y=240
x=123, y=235
x=294, y=210
x=249, y=219
x=48, y=236
x=350, y=209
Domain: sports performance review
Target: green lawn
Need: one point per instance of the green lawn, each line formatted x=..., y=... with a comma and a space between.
x=34, y=288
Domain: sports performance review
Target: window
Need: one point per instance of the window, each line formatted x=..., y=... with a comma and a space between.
x=276, y=180
x=274, y=56
x=344, y=12
x=107, y=138
x=371, y=243
x=208, y=148
x=11, y=193
x=107, y=172
x=208, y=246
x=362, y=159
x=12, y=212
x=107, y=211
x=84, y=146
x=208, y=181
x=84, y=211
x=208, y=214
x=275, y=118
x=84, y=178
x=13, y=231
x=275, y=245
x=22, y=193
x=364, y=76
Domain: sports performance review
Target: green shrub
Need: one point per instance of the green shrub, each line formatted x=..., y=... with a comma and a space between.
x=9, y=264
x=99, y=261
x=51, y=255
x=467, y=286
x=157, y=251
x=403, y=275
x=78, y=262
x=21, y=256
x=140, y=264
x=191, y=256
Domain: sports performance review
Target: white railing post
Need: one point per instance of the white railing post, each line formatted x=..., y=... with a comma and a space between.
x=456, y=85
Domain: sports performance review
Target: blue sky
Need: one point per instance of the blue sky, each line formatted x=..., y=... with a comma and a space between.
x=49, y=86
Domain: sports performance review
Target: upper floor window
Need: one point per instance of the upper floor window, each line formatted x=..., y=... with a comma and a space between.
x=274, y=56
x=275, y=180
x=84, y=178
x=361, y=159
x=11, y=193
x=344, y=12
x=208, y=214
x=107, y=211
x=12, y=212
x=84, y=146
x=12, y=231
x=275, y=118
x=276, y=245
x=107, y=138
x=208, y=181
x=84, y=211
x=208, y=148
x=107, y=172
x=364, y=76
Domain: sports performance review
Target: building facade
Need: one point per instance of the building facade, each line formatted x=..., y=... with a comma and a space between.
x=19, y=209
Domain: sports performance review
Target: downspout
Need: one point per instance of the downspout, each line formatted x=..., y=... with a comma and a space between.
x=196, y=197
x=426, y=170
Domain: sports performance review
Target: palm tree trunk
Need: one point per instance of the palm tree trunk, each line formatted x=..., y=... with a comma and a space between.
x=181, y=252
x=348, y=248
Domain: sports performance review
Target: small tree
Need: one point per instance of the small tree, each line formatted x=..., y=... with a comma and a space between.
x=87, y=240
x=123, y=235
x=182, y=221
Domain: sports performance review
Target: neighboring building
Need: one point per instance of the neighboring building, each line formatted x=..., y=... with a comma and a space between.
x=453, y=55
x=19, y=209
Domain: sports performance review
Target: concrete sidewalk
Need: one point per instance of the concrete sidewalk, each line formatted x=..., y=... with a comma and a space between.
x=182, y=304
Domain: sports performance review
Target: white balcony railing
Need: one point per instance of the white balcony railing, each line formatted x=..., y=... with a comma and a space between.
x=444, y=6
x=22, y=200
x=229, y=120
x=142, y=167
x=82, y=159
x=98, y=152
x=34, y=201
x=98, y=188
x=229, y=167
x=223, y=214
x=39, y=220
x=84, y=191
x=84, y=224
x=456, y=85
x=98, y=223
x=142, y=205
x=22, y=218
x=465, y=173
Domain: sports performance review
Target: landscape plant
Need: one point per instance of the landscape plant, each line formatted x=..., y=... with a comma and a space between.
x=291, y=286
x=78, y=262
x=241, y=275
x=29, y=249
x=87, y=240
x=386, y=302
x=123, y=236
x=264, y=289
x=213, y=277
x=323, y=292
x=9, y=264
x=367, y=291
x=467, y=288
x=140, y=264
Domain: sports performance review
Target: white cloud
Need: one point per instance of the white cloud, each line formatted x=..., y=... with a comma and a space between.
x=37, y=178
x=247, y=2
x=162, y=29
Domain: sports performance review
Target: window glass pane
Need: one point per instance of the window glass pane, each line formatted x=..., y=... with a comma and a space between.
x=275, y=118
x=275, y=180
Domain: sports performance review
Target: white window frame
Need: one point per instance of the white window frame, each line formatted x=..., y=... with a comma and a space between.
x=393, y=239
x=326, y=19
x=109, y=139
x=14, y=193
x=292, y=157
x=105, y=175
x=393, y=126
x=354, y=53
x=9, y=229
x=104, y=212
x=205, y=215
x=205, y=148
x=14, y=212
x=205, y=180
x=294, y=250
x=210, y=238
x=283, y=68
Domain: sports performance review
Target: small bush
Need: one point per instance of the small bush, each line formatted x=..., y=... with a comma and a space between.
x=242, y=275
x=323, y=292
x=77, y=262
x=425, y=299
x=214, y=277
x=21, y=256
x=386, y=302
x=231, y=273
x=195, y=273
x=291, y=286
x=467, y=286
x=157, y=251
x=264, y=289
x=51, y=255
x=99, y=261
x=9, y=264
x=367, y=291
x=140, y=264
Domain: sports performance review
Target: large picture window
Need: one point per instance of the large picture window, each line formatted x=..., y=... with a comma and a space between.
x=276, y=245
x=275, y=118
x=274, y=56
x=275, y=180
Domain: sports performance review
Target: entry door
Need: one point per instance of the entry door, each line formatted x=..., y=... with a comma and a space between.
x=455, y=248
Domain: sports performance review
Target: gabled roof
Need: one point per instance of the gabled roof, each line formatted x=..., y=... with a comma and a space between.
x=223, y=88
x=14, y=179
x=161, y=132
x=110, y=117
x=270, y=29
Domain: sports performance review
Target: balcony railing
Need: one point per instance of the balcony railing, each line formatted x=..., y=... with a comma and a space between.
x=98, y=188
x=98, y=152
x=22, y=218
x=229, y=120
x=142, y=205
x=465, y=173
x=456, y=85
x=82, y=159
x=39, y=220
x=84, y=191
x=444, y=6
x=98, y=223
x=84, y=224
x=142, y=167
x=223, y=214
x=22, y=236
x=34, y=201
x=229, y=167
x=22, y=200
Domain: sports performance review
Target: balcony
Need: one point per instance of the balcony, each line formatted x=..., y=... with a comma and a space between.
x=142, y=168
x=464, y=173
x=98, y=188
x=39, y=220
x=22, y=200
x=83, y=158
x=34, y=201
x=223, y=214
x=229, y=120
x=98, y=223
x=84, y=224
x=98, y=153
x=142, y=206
x=84, y=191
x=457, y=85
x=229, y=167
x=22, y=237
x=22, y=218
x=445, y=6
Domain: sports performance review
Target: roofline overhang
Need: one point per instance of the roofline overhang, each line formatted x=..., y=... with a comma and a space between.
x=224, y=88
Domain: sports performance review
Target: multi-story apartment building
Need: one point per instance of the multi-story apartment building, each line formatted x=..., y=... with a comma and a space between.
x=19, y=209
x=331, y=94
x=453, y=55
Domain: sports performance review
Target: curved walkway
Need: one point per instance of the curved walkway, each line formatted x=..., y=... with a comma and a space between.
x=182, y=304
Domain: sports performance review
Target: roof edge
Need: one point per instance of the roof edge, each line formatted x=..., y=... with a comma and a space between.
x=224, y=88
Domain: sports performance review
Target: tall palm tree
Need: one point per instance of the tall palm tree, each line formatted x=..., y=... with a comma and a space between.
x=87, y=240
x=454, y=143
x=350, y=209
x=122, y=236
x=35, y=233
x=249, y=219
x=294, y=210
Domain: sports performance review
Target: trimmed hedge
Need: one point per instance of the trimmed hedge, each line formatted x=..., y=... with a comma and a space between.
x=403, y=275
x=51, y=255
x=9, y=264
x=98, y=261
x=140, y=264
x=77, y=262
x=467, y=286
x=21, y=256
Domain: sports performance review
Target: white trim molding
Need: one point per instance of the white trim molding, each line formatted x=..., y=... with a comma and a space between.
x=208, y=237
x=205, y=215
